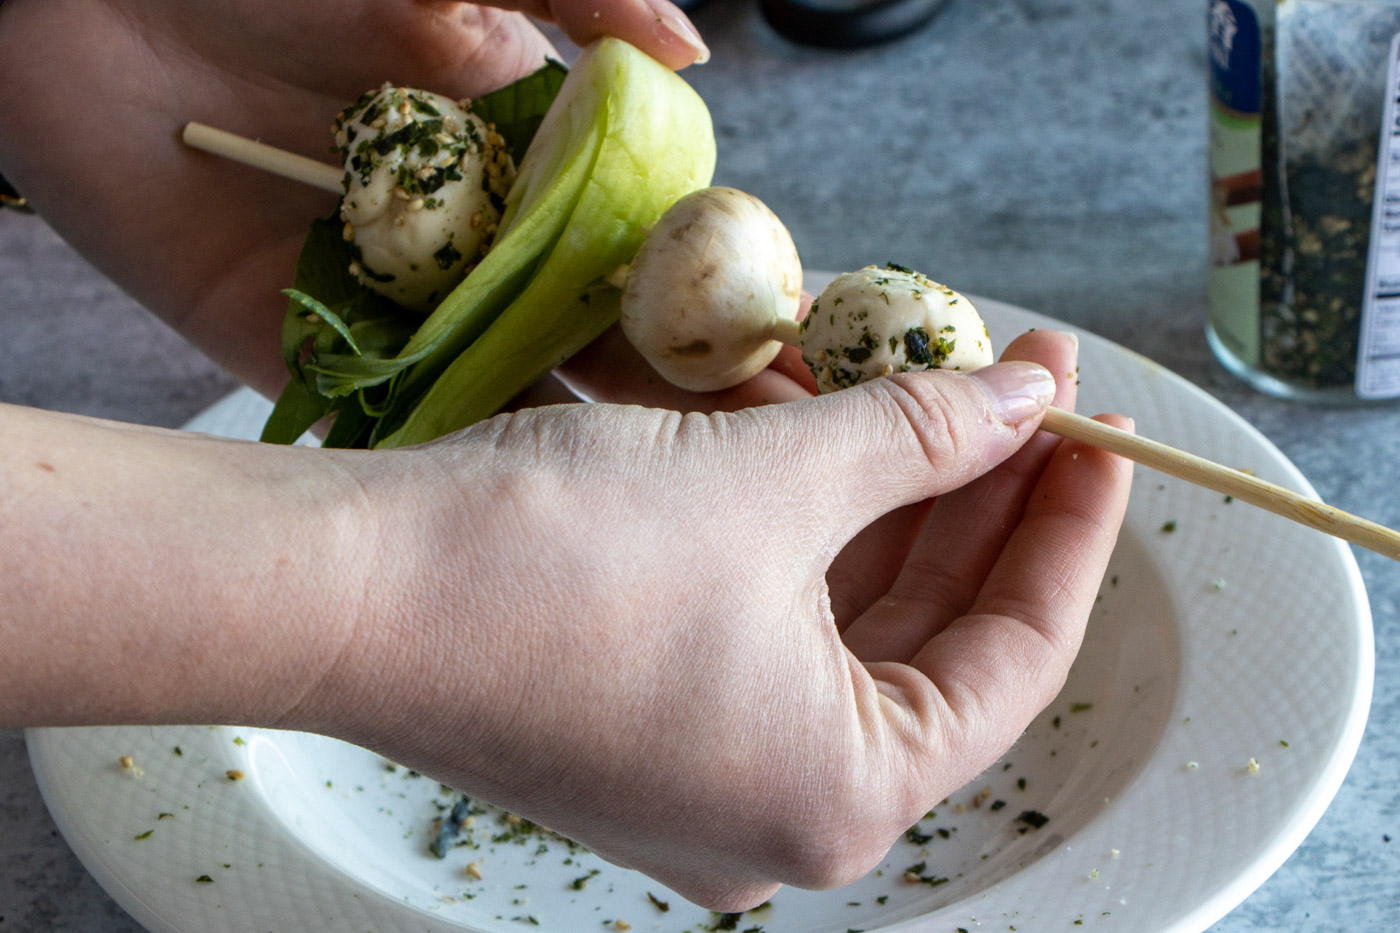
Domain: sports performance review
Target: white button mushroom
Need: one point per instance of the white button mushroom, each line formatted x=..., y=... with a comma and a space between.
x=713, y=290
x=423, y=181
x=875, y=321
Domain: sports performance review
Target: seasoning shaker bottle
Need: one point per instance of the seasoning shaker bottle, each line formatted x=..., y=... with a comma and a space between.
x=1304, y=284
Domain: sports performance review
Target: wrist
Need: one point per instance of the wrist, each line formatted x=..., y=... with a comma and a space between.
x=189, y=579
x=443, y=611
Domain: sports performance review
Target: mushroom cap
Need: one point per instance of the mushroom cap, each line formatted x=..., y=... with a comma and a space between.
x=877, y=321
x=419, y=172
x=705, y=288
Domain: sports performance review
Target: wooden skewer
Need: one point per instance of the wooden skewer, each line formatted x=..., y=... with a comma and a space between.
x=265, y=157
x=1198, y=471
x=1223, y=479
x=1150, y=453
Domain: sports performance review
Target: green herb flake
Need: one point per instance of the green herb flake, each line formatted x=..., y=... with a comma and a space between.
x=581, y=882
x=1080, y=707
x=145, y=835
x=1033, y=819
x=204, y=879
x=658, y=903
x=448, y=256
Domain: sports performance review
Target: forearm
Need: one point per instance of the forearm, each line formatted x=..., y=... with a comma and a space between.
x=153, y=576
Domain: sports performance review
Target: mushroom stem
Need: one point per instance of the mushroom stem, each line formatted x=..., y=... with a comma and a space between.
x=786, y=331
x=265, y=157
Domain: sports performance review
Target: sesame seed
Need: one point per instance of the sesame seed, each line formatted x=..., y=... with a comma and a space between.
x=473, y=871
x=348, y=233
x=233, y=774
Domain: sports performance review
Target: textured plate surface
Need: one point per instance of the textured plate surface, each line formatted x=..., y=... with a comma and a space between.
x=1210, y=718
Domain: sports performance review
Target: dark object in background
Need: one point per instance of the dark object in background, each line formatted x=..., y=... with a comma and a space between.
x=847, y=24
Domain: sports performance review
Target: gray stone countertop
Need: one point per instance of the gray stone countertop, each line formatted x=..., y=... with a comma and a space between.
x=1049, y=153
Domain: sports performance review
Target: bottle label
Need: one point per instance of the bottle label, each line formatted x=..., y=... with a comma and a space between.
x=1378, y=359
x=1236, y=179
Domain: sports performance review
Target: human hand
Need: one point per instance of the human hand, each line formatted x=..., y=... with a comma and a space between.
x=615, y=621
x=95, y=92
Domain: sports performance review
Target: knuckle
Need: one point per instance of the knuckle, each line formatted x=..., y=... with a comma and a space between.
x=834, y=843
x=934, y=418
x=725, y=898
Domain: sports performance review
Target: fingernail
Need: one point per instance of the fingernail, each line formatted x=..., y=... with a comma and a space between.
x=671, y=20
x=1016, y=390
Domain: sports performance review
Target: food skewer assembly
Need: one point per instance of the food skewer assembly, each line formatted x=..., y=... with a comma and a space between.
x=730, y=248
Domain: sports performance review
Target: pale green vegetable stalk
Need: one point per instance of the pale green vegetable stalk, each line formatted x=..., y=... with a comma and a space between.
x=625, y=138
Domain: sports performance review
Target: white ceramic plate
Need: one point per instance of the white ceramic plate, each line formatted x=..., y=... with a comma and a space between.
x=1235, y=637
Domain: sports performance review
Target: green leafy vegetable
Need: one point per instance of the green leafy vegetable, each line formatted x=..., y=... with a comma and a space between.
x=518, y=108
x=607, y=148
x=326, y=370
x=343, y=316
x=643, y=139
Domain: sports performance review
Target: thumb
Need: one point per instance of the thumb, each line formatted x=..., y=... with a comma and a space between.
x=657, y=27
x=857, y=454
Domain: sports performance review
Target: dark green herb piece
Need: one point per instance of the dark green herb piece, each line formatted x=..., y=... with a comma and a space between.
x=915, y=873
x=1033, y=818
x=448, y=256
x=451, y=827
x=659, y=904
x=581, y=882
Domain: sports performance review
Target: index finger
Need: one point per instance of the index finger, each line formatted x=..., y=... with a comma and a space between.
x=988, y=674
x=657, y=27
